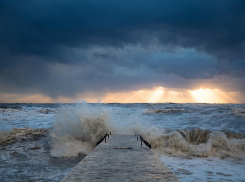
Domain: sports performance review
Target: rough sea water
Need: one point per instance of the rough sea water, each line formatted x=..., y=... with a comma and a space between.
x=199, y=142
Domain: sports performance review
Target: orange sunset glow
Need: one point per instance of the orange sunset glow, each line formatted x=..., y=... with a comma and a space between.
x=155, y=95
x=161, y=95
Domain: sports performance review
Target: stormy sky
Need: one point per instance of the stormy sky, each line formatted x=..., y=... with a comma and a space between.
x=62, y=48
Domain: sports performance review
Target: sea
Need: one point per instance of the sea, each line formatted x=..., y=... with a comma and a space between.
x=198, y=142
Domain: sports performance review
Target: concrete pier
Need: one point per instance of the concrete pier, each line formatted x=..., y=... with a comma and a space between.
x=121, y=158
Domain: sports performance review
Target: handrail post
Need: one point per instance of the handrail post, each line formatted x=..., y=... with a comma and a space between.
x=145, y=142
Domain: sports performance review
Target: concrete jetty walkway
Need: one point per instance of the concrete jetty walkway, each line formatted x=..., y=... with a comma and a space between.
x=121, y=158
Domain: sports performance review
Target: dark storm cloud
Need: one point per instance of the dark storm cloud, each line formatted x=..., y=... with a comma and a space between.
x=40, y=27
x=62, y=47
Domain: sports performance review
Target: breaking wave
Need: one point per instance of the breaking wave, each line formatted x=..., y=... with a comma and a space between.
x=197, y=143
x=46, y=111
x=21, y=134
x=77, y=130
x=165, y=110
x=240, y=112
x=9, y=110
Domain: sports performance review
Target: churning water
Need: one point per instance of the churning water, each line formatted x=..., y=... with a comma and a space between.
x=199, y=142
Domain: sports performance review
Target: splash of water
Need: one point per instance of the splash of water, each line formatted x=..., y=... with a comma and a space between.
x=77, y=129
x=197, y=142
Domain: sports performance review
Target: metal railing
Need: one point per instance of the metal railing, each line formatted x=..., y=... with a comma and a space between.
x=143, y=140
x=103, y=138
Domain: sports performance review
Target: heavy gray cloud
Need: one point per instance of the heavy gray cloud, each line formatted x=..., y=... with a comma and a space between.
x=64, y=47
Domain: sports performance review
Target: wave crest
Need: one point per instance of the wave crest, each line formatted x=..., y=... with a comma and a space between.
x=199, y=143
x=20, y=134
x=165, y=110
x=46, y=111
x=77, y=129
x=240, y=112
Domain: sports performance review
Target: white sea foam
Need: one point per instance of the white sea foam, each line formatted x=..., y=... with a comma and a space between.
x=17, y=134
x=77, y=129
x=70, y=137
x=240, y=112
x=165, y=110
x=196, y=142
x=4, y=135
x=46, y=111
x=194, y=169
x=33, y=117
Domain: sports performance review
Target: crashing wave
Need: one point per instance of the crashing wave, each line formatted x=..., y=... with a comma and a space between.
x=240, y=112
x=77, y=130
x=198, y=143
x=160, y=111
x=9, y=110
x=46, y=111
x=20, y=134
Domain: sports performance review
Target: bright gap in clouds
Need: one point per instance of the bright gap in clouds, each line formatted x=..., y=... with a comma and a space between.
x=212, y=96
x=155, y=95
x=160, y=94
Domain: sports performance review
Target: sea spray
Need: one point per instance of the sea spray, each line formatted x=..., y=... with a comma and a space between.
x=196, y=142
x=77, y=129
x=21, y=134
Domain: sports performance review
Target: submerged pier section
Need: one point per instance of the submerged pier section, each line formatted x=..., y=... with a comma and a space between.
x=121, y=158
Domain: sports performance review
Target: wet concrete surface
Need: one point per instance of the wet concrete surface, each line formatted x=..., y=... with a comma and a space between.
x=121, y=158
